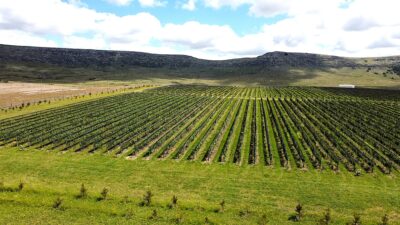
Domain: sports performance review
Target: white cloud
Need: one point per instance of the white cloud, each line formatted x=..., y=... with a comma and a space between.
x=120, y=2
x=359, y=24
x=84, y=43
x=196, y=35
x=189, y=5
x=67, y=20
x=216, y=4
x=24, y=38
x=139, y=28
x=152, y=3
x=382, y=43
x=362, y=28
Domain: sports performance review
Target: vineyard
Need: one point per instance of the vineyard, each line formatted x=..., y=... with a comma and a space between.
x=291, y=127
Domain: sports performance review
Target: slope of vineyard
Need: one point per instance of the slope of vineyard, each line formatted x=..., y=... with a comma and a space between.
x=306, y=128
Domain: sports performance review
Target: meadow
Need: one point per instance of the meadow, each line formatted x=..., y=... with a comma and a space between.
x=251, y=194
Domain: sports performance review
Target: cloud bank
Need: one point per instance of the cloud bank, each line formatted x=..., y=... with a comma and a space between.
x=338, y=27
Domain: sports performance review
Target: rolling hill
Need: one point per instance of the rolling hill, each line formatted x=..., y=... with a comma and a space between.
x=36, y=64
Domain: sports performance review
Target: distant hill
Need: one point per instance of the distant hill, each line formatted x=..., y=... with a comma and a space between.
x=274, y=68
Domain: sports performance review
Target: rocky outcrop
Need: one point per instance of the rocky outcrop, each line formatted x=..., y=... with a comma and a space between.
x=80, y=58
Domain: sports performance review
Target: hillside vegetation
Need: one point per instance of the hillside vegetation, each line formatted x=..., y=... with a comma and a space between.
x=272, y=69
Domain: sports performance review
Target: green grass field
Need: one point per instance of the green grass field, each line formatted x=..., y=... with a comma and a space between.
x=249, y=192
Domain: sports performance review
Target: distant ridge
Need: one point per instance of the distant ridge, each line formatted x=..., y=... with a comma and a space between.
x=105, y=58
x=274, y=68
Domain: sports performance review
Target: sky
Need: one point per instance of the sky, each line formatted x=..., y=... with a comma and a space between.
x=209, y=29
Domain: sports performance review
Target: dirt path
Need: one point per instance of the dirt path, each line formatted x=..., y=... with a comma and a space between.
x=16, y=93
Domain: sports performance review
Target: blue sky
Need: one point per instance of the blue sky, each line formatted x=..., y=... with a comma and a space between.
x=212, y=29
x=237, y=18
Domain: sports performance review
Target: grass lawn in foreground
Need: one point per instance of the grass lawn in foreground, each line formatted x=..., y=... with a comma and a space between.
x=249, y=192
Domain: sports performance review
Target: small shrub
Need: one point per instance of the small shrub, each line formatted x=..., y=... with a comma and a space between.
x=178, y=219
x=20, y=186
x=146, y=199
x=173, y=203
x=103, y=194
x=385, y=220
x=125, y=199
x=299, y=210
x=326, y=219
x=82, y=192
x=244, y=213
x=128, y=214
x=298, y=213
x=357, y=173
x=263, y=220
x=174, y=200
x=153, y=215
x=58, y=203
x=222, y=206
x=356, y=220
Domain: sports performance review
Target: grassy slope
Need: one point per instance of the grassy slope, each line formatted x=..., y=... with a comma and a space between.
x=247, y=77
x=199, y=188
x=357, y=76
